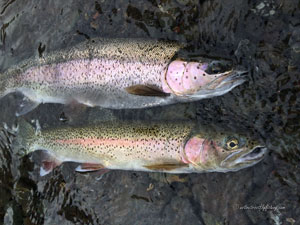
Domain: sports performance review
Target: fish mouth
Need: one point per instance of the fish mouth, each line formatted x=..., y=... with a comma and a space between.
x=228, y=80
x=221, y=85
x=238, y=160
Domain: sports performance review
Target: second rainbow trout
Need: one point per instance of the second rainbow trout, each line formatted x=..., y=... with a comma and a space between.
x=174, y=147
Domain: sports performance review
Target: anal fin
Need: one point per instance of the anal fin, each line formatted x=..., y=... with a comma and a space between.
x=47, y=167
x=49, y=162
x=26, y=106
x=145, y=90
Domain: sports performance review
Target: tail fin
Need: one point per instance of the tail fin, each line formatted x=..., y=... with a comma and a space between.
x=3, y=84
x=26, y=135
x=7, y=136
x=7, y=82
x=21, y=137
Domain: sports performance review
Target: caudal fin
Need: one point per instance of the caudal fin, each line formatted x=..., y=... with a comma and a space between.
x=5, y=83
x=2, y=85
x=7, y=135
x=25, y=135
x=18, y=136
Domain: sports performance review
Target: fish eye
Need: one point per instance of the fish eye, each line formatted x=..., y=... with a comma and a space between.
x=216, y=67
x=232, y=144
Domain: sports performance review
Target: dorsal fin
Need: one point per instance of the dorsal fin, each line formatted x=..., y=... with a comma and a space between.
x=145, y=90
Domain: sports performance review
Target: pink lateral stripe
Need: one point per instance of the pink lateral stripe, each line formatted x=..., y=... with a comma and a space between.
x=92, y=142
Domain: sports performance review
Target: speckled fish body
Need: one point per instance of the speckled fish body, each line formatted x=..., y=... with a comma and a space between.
x=175, y=147
x=100, y=71
x=95, y=73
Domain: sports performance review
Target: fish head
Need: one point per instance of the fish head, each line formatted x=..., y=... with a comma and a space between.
x=222, y=153
x=203, y=79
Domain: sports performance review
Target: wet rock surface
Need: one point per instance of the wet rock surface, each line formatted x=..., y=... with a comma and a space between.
x=261, y=36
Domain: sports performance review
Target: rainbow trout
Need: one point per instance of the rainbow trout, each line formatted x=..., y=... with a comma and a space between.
x=177, y=147
x=118, y=73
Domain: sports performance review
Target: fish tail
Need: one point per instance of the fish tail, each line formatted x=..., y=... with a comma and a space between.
x=2, y=85
x=7, y=136
x=26, y=135
x=19, y=136
x=5, y=84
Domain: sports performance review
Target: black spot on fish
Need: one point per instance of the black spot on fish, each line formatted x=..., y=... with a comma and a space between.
x=41, y=49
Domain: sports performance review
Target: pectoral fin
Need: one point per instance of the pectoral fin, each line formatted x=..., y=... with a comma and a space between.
x=166, y=166
x=25, y=106
x=144, y=90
